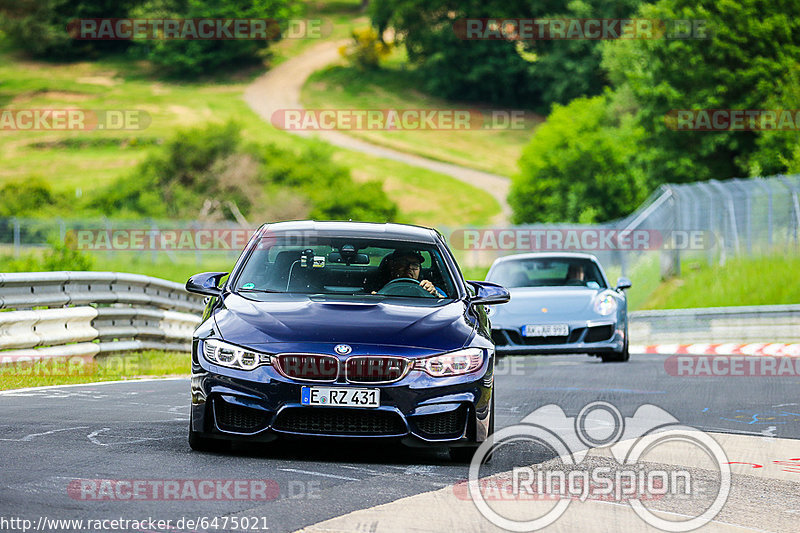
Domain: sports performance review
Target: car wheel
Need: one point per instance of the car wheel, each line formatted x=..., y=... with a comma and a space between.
x=618, y=357
x=199, y=443
x=464, y=454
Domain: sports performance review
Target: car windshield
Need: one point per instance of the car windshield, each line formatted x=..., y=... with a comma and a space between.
x=548, y=272
x=371, y=268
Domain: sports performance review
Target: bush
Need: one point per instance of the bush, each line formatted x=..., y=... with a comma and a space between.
x=66, y=256
x=58, y=256
x=367, y=51
x=208, y=172
x=26, y=198
x=199, y=57
x=39, y=27
x=580, y=166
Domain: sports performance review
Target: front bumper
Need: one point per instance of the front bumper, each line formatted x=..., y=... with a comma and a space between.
x=419, y=410
x=591, y=337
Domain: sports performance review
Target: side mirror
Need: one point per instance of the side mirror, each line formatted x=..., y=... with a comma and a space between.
x=488, y=293
x=624, y=283
x=205, y=283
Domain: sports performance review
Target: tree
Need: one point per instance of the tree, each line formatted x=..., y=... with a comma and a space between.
x=211, y=165
x=752, y=45
x=39, y=27
x=533, y=74
x=579, y=166
x=205, y=56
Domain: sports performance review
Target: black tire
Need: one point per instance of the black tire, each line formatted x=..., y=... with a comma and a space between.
x=464, y=454
x=618, y=357
x=200, y=443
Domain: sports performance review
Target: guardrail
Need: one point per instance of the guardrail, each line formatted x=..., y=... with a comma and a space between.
x=762, y=323
x=90, y=313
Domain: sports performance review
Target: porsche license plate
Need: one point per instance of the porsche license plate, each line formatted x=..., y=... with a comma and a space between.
x=545, y=330
x=340, y=397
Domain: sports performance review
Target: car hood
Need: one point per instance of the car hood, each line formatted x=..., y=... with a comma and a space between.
x=530, y=305
x=296, y=320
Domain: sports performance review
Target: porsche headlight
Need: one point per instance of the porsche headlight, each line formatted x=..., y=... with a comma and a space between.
x=452, y=364
x=605, y=304
x=231, y=356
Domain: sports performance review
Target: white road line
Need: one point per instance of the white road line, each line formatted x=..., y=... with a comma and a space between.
x=28, y=438
x=318, y=474
x=12, y=392
x=93, y=436
x=361, y=469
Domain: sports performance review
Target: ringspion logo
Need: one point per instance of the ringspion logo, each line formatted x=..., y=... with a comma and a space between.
x=628, y=476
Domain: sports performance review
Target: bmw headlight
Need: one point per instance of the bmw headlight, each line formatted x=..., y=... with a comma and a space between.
x=605, y=304
x=453, y=363
x=231, y=356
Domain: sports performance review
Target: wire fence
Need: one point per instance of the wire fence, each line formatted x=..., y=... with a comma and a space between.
x=712, y=220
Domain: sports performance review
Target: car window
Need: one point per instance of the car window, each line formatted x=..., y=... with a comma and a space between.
x=339, y=266
x=548, y=272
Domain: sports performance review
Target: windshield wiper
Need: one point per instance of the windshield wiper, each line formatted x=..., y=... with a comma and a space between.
x=257, y=290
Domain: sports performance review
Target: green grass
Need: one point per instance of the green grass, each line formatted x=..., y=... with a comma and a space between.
x=396, y=87
x=76, y=162
x=766, y=280
x=66, y=371
x=644, y=274
x=179, y=269
x=177, y=266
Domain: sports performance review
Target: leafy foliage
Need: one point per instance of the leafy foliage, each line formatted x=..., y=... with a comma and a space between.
x=753, y=44
x=206, y=167
x=27, y=198
x=367, y=50
x=39, y=27
x=203, y=56
x=532, y=74
x=577, y=167
x=750, y=59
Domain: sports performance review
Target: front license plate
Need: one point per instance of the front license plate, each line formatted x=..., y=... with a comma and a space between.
x=340, y=397
x=545, y=330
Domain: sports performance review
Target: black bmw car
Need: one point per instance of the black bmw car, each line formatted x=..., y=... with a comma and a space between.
x=344, y=329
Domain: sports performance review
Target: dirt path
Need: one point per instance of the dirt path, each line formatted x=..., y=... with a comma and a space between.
x=280, y=89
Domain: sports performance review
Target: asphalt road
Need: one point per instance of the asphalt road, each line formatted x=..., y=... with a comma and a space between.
x=50, y=439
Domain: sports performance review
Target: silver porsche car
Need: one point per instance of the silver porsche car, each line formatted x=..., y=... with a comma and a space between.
x=560, y=303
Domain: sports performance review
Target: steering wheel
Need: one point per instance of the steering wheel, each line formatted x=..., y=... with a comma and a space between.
x=404, y=287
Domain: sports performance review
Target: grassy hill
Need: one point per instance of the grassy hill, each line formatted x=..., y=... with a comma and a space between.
x=395, y=87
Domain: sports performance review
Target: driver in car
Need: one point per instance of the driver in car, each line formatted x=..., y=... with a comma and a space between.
x=407, y=264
